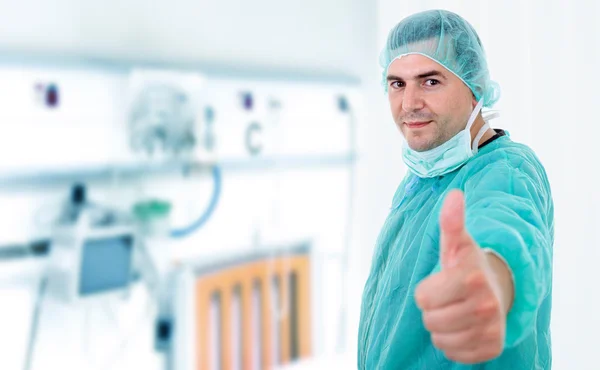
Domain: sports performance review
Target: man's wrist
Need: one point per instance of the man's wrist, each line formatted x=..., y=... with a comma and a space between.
x=504, y=277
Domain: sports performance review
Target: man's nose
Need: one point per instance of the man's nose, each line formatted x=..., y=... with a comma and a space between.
x=412, y=99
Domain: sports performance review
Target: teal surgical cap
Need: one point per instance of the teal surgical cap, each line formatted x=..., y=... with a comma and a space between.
x=449, y=40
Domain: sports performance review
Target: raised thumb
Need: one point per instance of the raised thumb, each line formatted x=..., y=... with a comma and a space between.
x=453, y=234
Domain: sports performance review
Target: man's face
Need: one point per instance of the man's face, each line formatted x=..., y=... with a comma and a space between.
x=429, y=104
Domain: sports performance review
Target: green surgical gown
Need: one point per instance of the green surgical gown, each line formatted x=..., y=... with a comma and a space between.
x=509, y=209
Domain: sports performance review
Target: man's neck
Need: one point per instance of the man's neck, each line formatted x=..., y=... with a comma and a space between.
x=479, y=122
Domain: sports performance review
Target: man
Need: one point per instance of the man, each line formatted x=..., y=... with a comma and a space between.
x=461, y=276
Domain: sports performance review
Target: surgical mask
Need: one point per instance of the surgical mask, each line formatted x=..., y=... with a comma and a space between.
x=450, y=155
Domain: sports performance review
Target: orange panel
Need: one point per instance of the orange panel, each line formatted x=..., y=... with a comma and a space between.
x=226, y=329
x=247, y=314
x=284, y=308
x=203, y=307
x=265, y=305
x=304, y=309
x=245, y=275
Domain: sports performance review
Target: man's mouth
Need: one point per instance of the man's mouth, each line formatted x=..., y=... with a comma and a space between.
x=417, y=124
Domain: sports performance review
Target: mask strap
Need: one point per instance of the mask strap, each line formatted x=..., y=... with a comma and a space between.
x=482, y=130
x=490, y=115
x=474, y=114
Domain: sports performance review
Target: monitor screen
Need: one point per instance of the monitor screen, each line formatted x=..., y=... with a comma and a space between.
x=106, y=264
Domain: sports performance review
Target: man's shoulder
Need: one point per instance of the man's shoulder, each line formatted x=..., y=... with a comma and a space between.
x=507, y=160
x=511, y=154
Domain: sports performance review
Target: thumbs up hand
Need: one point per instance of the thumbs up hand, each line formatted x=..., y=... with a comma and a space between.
x=465, y=305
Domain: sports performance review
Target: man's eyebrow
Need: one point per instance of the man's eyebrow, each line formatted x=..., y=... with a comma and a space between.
x=420, y=76
x=431, y=74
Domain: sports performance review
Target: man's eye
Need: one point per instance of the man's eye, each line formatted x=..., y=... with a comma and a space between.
x=432, y=82
x=397, y=84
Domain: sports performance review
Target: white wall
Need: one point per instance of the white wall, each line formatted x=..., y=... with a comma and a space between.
x=545, y=55
x=308, y=35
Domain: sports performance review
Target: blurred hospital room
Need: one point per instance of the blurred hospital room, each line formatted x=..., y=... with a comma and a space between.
x=199, y=185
